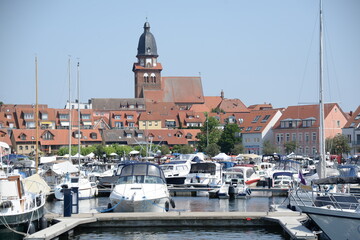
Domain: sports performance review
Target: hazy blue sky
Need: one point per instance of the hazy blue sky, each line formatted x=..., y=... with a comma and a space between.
x=255, y=50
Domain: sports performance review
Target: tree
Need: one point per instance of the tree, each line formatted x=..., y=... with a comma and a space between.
x=337, y=145
x=183, y=149
x=290, y=147
x=237, y=149
x=228, y=137
x=212, y=150
x=164, y=149
x=209, y=133
x=269, y=148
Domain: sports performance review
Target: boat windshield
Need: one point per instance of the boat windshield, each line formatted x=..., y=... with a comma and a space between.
x=141, y=173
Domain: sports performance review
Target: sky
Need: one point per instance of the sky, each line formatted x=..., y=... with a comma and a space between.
x=259, y=51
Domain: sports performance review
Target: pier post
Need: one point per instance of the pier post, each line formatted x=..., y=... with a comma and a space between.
x=67, y=202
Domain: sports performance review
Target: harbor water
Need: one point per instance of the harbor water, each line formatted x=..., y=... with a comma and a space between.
x=187, y=204
x=259, y=203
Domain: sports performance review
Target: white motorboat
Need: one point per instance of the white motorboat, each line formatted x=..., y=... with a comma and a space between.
x=19, y=206
x=176, y=171
x=233, y=186
x=204, y=174
x=141, y=187
x=251, y=178
x=86, y=188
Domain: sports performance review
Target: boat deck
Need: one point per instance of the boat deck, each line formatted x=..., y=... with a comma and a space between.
x=289, y=220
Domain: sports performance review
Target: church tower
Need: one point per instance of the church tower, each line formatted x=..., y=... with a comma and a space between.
x=147, y=70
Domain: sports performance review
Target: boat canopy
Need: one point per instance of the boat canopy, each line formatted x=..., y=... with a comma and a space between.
x=282, y=174
x=337, y=180
x=142, y=169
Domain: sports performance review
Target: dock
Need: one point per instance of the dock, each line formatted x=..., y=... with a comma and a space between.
x=288, y=220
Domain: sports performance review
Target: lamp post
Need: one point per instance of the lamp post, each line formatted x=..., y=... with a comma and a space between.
x=207, y=131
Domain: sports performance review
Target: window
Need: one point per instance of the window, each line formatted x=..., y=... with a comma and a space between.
x=313, y=136
x=146, y=78
x=63, y=116
x=140, y=135
x=294, y=137
x=144, y=123
x=307, y=138
x=8, y=116
x=279, y=138
x=85, y=116
x=28, y=116
x=153, y=78
x=30, y=124
x=313, y=151
x=287, y=135
x=338, y=123
x=93, y=135
x=357, y=117
x=349, y=138
x=131, y=125
x=48, y=136
x=44, y=116
x=258, y=128
x=129, y=117
x=128, y=135
x=249, y=128
x=265, y=118
x=256, y=118
x=117, y=117
x=23, y=137
x=300, y=135
x=11, y=125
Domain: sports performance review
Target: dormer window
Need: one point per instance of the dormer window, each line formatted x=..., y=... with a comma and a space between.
x=47, y=136
x=93, y=135
x=256, y=118
x=117, y=117
x=265, y=118
x=28, y=116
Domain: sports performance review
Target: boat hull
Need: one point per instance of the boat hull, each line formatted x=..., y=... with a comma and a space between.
x=22, y=218
x=336, y=224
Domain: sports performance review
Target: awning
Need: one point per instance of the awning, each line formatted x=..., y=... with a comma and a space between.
x=64, y=124
x=87, y=123
x=46, y=122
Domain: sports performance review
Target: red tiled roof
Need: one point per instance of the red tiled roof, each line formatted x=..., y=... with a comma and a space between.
x=233, y=105
x=354, y=120
x=306, y=111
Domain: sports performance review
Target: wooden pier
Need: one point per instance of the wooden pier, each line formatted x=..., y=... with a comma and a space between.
x=290, y=221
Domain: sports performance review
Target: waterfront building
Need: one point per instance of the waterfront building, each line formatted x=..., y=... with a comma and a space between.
x=352, y=131
x=300, y=124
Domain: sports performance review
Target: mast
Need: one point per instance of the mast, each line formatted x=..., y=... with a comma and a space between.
x=70, y=122
x=78, y=88
x=36, y=117
x=321, y=104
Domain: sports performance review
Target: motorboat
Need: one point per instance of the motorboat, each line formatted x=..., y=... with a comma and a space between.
x=233, y=186
x=22, y=205
x=176, y=171
x=204, y=174
x=86, y=188
x=141, y=187
x=251, y=178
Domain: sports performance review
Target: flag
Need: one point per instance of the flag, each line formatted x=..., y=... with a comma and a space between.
x=301, y=177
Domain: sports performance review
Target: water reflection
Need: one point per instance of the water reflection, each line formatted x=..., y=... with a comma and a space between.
x=185, y=204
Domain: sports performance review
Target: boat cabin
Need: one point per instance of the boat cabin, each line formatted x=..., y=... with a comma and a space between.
x=141, y=173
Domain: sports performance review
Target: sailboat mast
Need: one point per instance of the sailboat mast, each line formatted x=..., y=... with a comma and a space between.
x=321, y=104
x=78, y=88
x=70, y=121
x=36, y=117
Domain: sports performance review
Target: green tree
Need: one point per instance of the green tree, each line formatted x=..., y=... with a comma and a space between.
x=290, y=147
x=122, y=150
x=209, y=133
x=237, y=149
x=212, y=150
x=269, y=148
x=228, y=137
x=87, y=150
x=337, y=145
x=99, y=150
x=164, y=149
x=183, y=149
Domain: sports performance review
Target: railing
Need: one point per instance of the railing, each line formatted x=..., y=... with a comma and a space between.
x=340, y=201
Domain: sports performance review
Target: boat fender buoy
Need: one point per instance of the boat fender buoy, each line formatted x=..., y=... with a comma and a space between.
x=167, y=206
x=38, y=201
x=6, y=204
x=43, y=223
x=172, y=202
x=248, y=191
x=31, y=228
